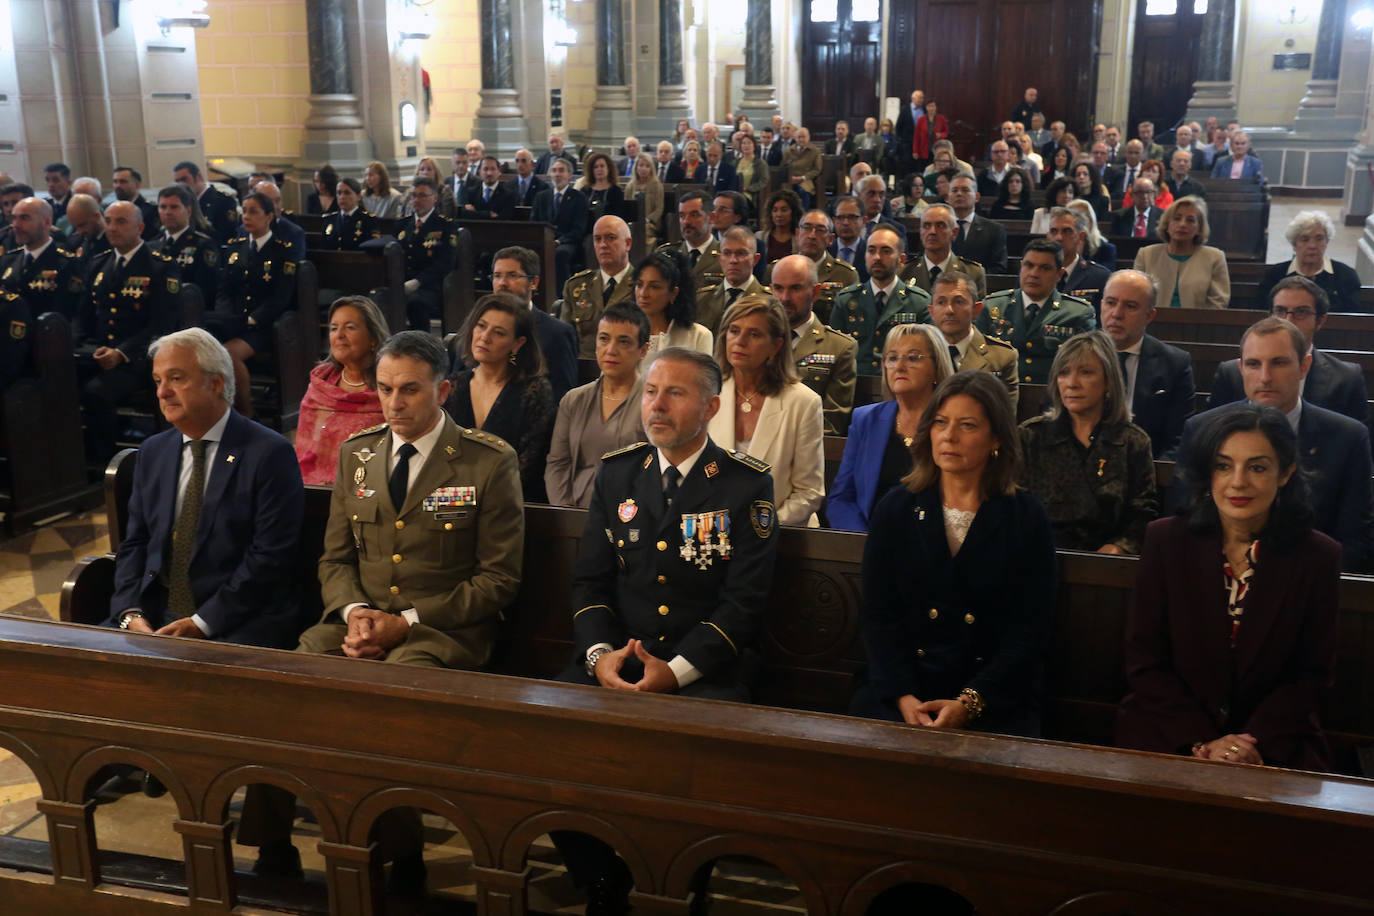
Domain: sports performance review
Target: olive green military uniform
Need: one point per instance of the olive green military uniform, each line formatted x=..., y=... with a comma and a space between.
x=991, y=354
x=584, y=301
x=916, y=274
x=1036, y=340
x=825, y=364
x=452, y=553
x=707, y=270
x=833, y=275
x=713, y=300
x=857, y=314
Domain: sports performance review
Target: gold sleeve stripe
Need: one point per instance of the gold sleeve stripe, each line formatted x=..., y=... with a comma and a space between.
x=591, y=606
x=722, y=633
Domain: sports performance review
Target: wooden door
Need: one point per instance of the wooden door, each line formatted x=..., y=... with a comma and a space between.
x=1165, y=63
x=842, y=57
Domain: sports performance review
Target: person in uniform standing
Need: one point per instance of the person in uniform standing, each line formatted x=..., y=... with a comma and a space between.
x=815, y=233
x=673, y=573
x=1035, y=317
x=422, y=551
x=588, y=293
x=132, y=297
x=46, y=274
x=431, y=245
x=824, y=356
x=868, y=311
x=195, y=253
x=952, y=310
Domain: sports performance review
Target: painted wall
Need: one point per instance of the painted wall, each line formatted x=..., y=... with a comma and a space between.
x=453, y=57
x=1269, y=97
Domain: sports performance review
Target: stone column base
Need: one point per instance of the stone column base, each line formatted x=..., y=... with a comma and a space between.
x=673, y=106
x=759, y=104
x=612, y=118
x=348, y=150
x=1213, y=100
x=503, y=136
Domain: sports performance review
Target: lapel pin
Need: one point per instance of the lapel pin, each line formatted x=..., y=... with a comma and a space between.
x=230, y=459
x=448, y=449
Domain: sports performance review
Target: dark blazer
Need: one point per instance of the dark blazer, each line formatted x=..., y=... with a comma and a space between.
x=1342, y=285
x=558, y=344
x=979, y=619
x=152, y=223
x=856, y=483
x=522, y=415
x=54, y=282
x=1334, y=452
x=532, y=190
x=612, y=200
x=341, y=232
x=1331, y=383
x=773, y=154
x=727, y=179
x=500, y=206
x=1086, y=281
x=1187, y=684
x=835, y=147
x=222, y=212
x=570, y=221
x=1188, y=187
x=1123, y=221
x=244, y=565
x=677, y=173
x=542, y=166
x=1164, y=392
x=986, y=243
x=1253, y=168
x=1111, y=179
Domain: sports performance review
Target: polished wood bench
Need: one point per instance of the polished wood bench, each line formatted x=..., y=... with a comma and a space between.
x=379, y=275
x=1342, y=330
x=491, y=235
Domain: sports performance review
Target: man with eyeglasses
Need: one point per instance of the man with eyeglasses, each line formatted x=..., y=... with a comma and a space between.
x=849, y=226
x=738, y=256
x=1330, y=383
x=515, y=270
x=867, y=311
x=952, y=309
x=730, y=208
x=815, y=233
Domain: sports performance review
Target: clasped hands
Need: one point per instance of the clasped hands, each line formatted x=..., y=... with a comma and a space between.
x=185, y=628
x=1242, y=748
x=933, y=713
x=373, y=633
x=658, y=677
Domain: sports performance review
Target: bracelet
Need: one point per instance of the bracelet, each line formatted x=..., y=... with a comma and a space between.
x=972, y=700
x=592, y=658
x=128, y=616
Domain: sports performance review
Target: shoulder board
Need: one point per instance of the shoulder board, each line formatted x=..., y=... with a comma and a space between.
x=202, y=235
x=997, y=342
x=241, y=238
x=851, y=288
x=1068, y=297
x=9, y=296
x=629, y=449
x=285, y=243
x=707, y=290
x=583, y=273
x=369, y=431
x=971, y=262
x=487, y=439
x=762, y=467
x=1001, y=294
x=62, y=252
x=160, y=255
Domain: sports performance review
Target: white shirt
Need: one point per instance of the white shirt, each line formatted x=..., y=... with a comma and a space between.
x=886, y=290
x=1026, y=301
x=943, y=265
x=799, y=332
x=702, y=247
x=618, y=278
x=261, y=239
x=173, y=236
x=1292, y=267
x=36, y=253
x=211, y=439
x=1132, y=369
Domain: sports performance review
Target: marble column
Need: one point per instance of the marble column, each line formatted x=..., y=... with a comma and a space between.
x=1319, y=104
x=500, y=121
x=1214, y=91
x=760, y=100
x=612, y=118
x=334, y=129
x=1358, y=202
x=672, y=85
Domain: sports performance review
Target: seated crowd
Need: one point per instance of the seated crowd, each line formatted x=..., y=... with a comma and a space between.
x=722, y=362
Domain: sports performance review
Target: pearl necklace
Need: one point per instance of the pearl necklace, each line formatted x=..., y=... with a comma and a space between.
x=343, y=377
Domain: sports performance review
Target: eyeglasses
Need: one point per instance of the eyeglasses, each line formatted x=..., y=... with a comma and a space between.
x=500, y=276
x=847, y=216
x=1302, y=312
x=910, y=359
x=814, y=227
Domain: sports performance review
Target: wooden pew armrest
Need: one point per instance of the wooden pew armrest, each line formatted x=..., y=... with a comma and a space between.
x=86, y=592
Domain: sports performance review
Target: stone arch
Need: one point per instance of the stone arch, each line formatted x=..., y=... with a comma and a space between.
x=90, y=763
x=863, y=892
x=31, y=759
x=678, y=880
x=221, y=791
x=515, y=849
x=362, y=818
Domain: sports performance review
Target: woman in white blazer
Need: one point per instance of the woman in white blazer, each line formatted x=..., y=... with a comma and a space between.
x=765, y=410
x=1191, y=274
x=666, y=292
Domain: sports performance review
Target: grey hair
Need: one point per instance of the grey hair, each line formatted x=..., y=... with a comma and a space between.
x=1079, y=220
x=939, y=351
x=1095, y=238
x=99, y=188
x=952, y=221
x=709, y=377
x=210, y=354
x=868, y=180
x=421, y=346
x=1075, y=350
x=1307, y=219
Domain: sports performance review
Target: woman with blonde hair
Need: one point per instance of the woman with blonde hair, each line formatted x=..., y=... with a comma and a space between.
x=1191, y=274
x=644, y=183
x=765, y=410
x=1100, y=249
x=379, y=197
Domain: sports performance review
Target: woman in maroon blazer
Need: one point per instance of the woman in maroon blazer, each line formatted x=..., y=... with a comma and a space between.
x=925, y=137
x=1232, y=631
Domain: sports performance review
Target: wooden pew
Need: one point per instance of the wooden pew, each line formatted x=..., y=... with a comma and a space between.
x=491, y=235
x=1346, y=331
x=42, y=463
x=279, y=378
x=1208, y=356
x=380, y=275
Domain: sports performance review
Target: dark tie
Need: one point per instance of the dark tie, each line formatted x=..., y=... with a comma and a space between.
x=847, y=254
x=1122, y=355
x=252, y=246
x=1032, y=310
x=28, y=260
x=934, y=275
x=557, y=202
x=671, y=478
x=524, y=186
x=695, y=256
x=663, y=172
x=879, y=301
x=954, y=356
x=119, y=265
x=1130, y=178
x=180, y=601
x=959, y=239
x=732, y=294
x=711, y=179
x=400, y=477
x=609, y=291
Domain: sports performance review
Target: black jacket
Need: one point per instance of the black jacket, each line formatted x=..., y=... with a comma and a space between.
x=1164, y=392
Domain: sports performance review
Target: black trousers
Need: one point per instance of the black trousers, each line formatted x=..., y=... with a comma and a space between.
x=421, y=307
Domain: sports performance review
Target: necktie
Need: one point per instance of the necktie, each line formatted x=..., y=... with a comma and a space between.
x=847, y=254
x=557, y=201
x=486, y=195
x=524, y=186
x=663, y=172
x=959, y=239
x=879, y=301
x=419, y=224
x=934, y=275
x=119, y=267
x=1122, y=355
x=180, y=601
x=1130, y=177
x=28, y=260
x=711, y=180
x=609, y=291
x=1140, y=226
x=954, y=356
x=695, y=256
x=400, y=477
x=732, y=294
x=1032, y=310
x=252, y=246
x=671, y=478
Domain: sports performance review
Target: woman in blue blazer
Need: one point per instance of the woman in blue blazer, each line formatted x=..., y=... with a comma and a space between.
x=877, y=452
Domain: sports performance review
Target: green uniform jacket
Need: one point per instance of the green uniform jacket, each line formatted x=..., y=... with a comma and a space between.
x=584, y=302
x=1038, y=340
x=825, y=363
x=856, y=314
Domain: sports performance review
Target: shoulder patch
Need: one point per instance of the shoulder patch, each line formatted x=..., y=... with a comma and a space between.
x=762, y=467
x=629, y=449
x=369, y=431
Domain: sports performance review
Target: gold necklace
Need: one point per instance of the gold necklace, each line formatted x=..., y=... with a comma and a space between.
x=747, y=406
x=906, y=440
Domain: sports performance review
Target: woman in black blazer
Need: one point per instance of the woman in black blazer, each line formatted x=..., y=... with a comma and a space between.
x=958, y=575
x=1234, y=674
x=1087, y=185
x=349, y=225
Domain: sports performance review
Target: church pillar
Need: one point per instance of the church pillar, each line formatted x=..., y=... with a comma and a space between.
x=760, y=100
x=1358, y=202
x=500, y=121
x=334, y=130
x=1326, y=64
x=672, y=84
x=612, y=118
x=1214, y=91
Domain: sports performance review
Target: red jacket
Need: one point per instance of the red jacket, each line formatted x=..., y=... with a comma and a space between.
x=920, y=143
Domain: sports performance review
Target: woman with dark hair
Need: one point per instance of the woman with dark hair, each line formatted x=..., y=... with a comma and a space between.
x=379, y=197
x=1058, y=194
x=930, y=128
x=321, y=200
x=342, y=398
x=778, y=237
x=600, y=183
x=1058, y=167
x=1085, y=459
x=911, y=201
x=666, y=292
x=349, y=224
x=752, y=171
x=1014, y=196
x=503, y=390
x=1234, y=674
x=958, y=574
x=1087, y=185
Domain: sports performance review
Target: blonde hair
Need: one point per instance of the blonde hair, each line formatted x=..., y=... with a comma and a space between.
x=1204, y=230
x=939, y=351
x=779, y=371
x=1079, y=348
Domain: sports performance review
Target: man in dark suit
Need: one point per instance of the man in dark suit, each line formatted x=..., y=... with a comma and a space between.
x=1140, y=219
x=663, y=160
x=938, y=228
x=556, y=151
x=770, y=147
x=1158, y=377
x=566, y=210
x=1184, y=140
x=58, y=177
x=516, y=271
x=1102, y=164
x=215, y=512
x=1049, y=149
x=872, y=193
x=979, y=239
x=219, y=209
x=1333, y=449
x=1330, y=383
x=38, y=268
x=491, y=199
x=720, y=174
x=906, y=128
x=458, y=181
x=1178, y=181
x=128, y=185
x=430, y=241
x=525, y=185
x=848, y=246
x=841, y=144
x=1082, y=278
x=1129, y=170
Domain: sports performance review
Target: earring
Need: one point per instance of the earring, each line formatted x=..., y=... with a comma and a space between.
x=512, y=356
x=995, y=453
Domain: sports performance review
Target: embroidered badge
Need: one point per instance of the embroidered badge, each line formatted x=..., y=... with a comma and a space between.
x=233, y=257
x=648, y=459
x=712, y=469
x=762, y=516
x=18, y=329
x=364, y=455
x=627, y=510
x=359, y=474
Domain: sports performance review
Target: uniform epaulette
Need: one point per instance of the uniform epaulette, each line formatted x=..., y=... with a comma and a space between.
x=853, y=287
x=160, y=256
x=624, y=451
x=712, y=288
x=64, y=252
x=1001, y=294
x=762, y=467
x=285, y=242
x=998, y=342
x=369, y=431
x=9, y=296
x=1072, y=298
x=487, y=439
x=584, y=273
x=236, y=239
x=970, y=261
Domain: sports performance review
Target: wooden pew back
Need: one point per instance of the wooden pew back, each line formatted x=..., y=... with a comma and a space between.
x=380, y=275
x=491, y=235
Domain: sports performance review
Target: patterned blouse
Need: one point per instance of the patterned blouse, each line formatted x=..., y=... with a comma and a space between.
x=1238, y=588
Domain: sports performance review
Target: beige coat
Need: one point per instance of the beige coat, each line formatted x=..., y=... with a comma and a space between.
x=570, y=472
x=1203, y=281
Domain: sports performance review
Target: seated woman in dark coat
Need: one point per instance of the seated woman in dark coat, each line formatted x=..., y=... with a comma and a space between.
x=1309, y=233
x=503, y=390
x=958, y=574
x=1014, y=197
x=348, y=225
x=1234, y=674
x=1085, y=459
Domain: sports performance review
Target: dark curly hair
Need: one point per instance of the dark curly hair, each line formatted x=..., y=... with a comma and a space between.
x=672, y=265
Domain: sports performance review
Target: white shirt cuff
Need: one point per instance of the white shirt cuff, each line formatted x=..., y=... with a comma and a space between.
x=411, y=615
x=684, y=671
x=199, y=621
x=349, y=609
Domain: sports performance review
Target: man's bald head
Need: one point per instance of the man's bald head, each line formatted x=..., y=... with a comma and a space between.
x=83, y=212
x=271, y=190
x=611, y=240
x=794, y=283
x=124, y=209
x=123, y=225
x=31, y=220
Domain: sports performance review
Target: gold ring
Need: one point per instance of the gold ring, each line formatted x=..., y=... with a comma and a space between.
x=1233, y=749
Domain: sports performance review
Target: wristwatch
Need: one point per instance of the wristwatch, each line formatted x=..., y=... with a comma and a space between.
x=128, y=616
x=593, y=657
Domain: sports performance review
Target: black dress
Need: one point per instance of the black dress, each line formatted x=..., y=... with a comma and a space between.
x=522, y=415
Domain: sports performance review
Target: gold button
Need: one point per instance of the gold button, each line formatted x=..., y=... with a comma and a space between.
x=355, y=518
x=395, y=558
x=400, y=525
x=662, y=580
x=448, y=526
x=920, y=653
x=662, y=545
x=660, y=639
x=968, y=618
x=620, y=543
x=934, y=613
x=395, y=589
x=663, y=610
